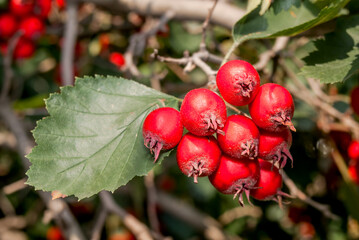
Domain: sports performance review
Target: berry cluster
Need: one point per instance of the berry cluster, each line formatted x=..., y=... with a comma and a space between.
x=245, y=155
x=28, y=17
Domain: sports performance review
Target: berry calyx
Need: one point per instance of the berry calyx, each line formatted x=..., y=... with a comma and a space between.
x=269, y=184
x=198, y=156
x=117, y=59
x=162, y=130
x=32, y=27
x=354, y=99
x=241, y=137
x=272, y=109
x=274, y=146
x=203, y=112
x=235, y=176
x=353, y=150
x=8, y=25
x=238, y=82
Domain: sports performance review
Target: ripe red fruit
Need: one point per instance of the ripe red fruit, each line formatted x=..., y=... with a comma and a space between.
x=203, y=112
x=275, y=146
x=235, y=176
x=21, y=8
x=238, y=82
x=162, y=129
x=8, y=25
x=117, y=59
x=353, y=150
x=198, y=156
x=241, y=137
x=42, y=8
x=33, y=27
x=54, y=233
x=24, y=48
x=269, y=183
x=61, y=4
x=354, y=100
x=273, y=107
x=353, y=170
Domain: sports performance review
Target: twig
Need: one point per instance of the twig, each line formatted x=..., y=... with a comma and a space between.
x=98, y=226
x=202, y=45
x=15, y=186
x=68, y=50
x=230, y=51
x=295, y=191
x=239, y=212
x=8, y=73
x=151, y=202
x=140, y=230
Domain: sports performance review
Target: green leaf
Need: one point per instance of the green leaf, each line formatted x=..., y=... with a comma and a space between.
x=285, y=18
x=92, y=140
x=335, y=58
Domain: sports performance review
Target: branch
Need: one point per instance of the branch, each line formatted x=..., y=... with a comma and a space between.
x=202, y=45
x=225, y=14
x=69, y=42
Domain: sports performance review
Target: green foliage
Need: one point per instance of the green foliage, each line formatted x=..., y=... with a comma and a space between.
x=92, y=139
x=285, y=18
x=335, y=58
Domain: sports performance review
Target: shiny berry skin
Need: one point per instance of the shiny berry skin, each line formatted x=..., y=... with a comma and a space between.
x=33, y=27
x=353, y=150
x=117, y=59
x=25, y=48
x=8, y=25
x=42, y=8
x=241, y=137
x=21, y=8
x=353, y=170
x=269, y=184
x=235, y=176
x=272, y=109
x=198, y=156
x=274, y=146
x=162, y=130
x=238, y=82
x=354, y=99
x=203, y=112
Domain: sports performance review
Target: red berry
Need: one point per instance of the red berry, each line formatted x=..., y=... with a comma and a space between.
x=198, y=156
x=54, y=233
x=42, y=8
x=353, y=150
x=25, y=48
x=162, y=129
x=241, y=137
x=117, y=59
x=235, y=176
x=61, y=4
x=203, y=112
x=354, y=100
x=275, y=146
x=353, y=170
x=33, y=27
x=238, y=82
x=8, y=25
x=273, y=107
x=269, y=183
x=21, y=8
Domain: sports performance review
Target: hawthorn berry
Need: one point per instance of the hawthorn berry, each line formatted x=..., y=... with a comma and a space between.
x=238, y=82
x=117, y=59
x=54, y=233
x=235, y=176
x=269, y=184
x=275, y=146
x=353, y=170
x=203, y=112
x=32, y=27
x=198, y=156
x=25, y=48
x=272, y=109
x=42, y=8
x=162, y=130
x=354, y=99
x=241, y=137
x=8, y=25
x=61, y=4
x=353, y=150
x=21, y=8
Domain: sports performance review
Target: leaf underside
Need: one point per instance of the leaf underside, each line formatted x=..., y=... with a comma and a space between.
x=92, y=140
